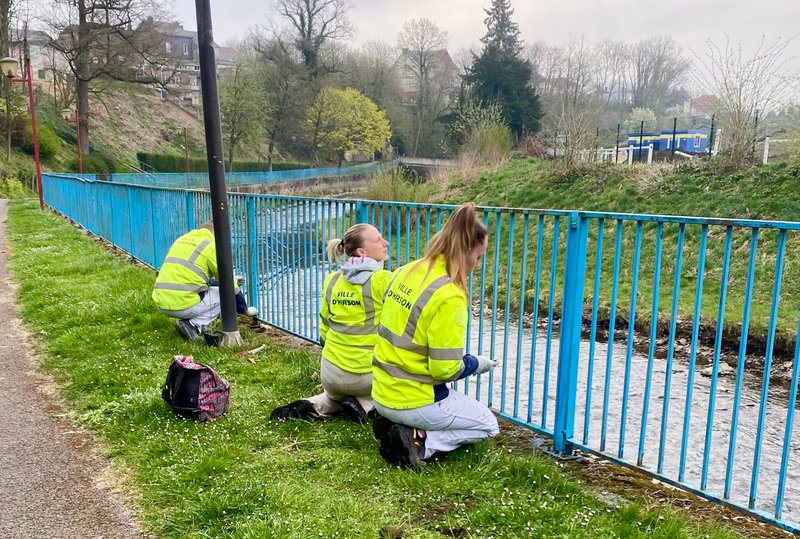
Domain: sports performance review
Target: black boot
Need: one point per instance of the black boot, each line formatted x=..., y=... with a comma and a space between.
x=405, y=447
x=299, y=409
x=352, y=410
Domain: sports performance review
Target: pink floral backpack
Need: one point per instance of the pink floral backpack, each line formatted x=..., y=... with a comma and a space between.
x=195, y=390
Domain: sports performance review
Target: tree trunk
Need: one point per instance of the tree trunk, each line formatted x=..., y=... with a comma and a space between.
x=82, y=65
x=269, y=153
x=5, y=11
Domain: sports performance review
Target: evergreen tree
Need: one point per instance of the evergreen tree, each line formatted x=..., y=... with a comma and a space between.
x=500, y=77
x=501, y=32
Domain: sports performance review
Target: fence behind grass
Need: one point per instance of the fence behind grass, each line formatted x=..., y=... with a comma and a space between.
x=199, y=180
x=612, y=330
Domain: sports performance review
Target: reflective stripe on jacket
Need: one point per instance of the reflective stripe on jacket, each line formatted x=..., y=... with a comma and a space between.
x=420, y=337
x=348, y=320
x=186, y=271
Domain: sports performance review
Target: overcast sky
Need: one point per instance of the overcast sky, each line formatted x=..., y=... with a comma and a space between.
x=689, y=22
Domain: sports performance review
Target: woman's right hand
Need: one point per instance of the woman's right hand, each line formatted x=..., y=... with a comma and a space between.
x=485, y=364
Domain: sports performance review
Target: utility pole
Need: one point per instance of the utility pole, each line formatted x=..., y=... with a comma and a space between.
x=216, y=174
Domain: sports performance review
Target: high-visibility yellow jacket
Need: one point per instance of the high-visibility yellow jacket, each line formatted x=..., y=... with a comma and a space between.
x=349, y=315
x=420, y=337
x=190, y=264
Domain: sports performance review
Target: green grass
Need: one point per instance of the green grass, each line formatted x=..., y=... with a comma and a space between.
x=97, y=332
x=762, y=192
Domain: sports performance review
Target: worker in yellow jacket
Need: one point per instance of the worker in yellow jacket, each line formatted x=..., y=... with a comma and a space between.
x=421, y=347
x=351, y=304
x=186, y=287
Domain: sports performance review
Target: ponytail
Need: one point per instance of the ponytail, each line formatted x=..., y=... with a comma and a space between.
x=352, y=241
x=461, y=234
x=334, y=250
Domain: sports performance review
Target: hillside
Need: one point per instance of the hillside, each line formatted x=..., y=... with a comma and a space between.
x=769, y=192
x=128, y=122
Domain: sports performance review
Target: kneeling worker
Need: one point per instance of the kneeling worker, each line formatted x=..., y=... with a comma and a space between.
x=351, y=304
x=186, y=286
x=421, y=347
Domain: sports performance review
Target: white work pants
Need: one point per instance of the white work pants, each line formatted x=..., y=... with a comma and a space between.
x=450, y=423
x=201, y=313
x=338, y=384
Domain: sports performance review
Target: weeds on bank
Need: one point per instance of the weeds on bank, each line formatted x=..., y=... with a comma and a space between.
x=245, y=476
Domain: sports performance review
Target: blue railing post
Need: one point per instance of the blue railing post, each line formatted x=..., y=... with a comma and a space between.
x=252, y=253
x=570, y=338
x=362, y=212
x=189, y=210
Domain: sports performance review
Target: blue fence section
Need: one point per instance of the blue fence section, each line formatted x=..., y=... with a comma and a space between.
x=198, y=180
x=647, y=340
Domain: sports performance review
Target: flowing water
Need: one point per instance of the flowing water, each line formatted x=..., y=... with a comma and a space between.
x=525, y=383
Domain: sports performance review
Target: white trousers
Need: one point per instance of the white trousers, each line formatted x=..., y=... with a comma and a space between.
x=450, y=423
x=339, y=384
x=201, y=313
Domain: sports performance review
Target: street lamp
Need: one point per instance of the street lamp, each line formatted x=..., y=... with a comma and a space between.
x=67, y=115
x=9, y=67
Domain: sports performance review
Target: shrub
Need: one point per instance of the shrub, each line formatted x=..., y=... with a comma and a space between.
x=491, y=143
x=95, y=163
x=11, y=187
x=49, y=142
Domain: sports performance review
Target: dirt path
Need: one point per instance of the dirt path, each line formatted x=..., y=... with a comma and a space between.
x=50, y=475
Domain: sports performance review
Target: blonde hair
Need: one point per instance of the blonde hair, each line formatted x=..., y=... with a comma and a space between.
x=461, y=234
x=352, y=241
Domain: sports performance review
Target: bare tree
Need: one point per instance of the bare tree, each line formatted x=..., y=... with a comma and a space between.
x=745, y=86
x=240, y=103
x=611, y=58
x=546, y=61
x=315, y=22
x=286, y=95
x=656, y=65
x=5, y=25
x=105, y=40
x=429, y=72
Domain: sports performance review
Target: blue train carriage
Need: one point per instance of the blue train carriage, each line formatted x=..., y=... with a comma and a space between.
x=686, y=140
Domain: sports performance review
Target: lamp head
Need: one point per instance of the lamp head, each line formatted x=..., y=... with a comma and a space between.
x=10, y=66
x=66, y=114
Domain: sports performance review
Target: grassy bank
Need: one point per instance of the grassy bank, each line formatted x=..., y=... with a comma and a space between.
x=762, y=192
x=244, y=476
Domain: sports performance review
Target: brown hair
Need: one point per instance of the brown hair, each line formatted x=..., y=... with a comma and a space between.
x=353, y=239
x=461, y=234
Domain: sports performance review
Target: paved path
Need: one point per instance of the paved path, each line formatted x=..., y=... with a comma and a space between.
x=51, y=482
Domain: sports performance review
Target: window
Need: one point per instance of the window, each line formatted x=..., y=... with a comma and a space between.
x=186, y=49
x=697, y=141
x=168, y=45
x=42, y=74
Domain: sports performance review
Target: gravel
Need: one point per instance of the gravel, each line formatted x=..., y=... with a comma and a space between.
x=53, y=482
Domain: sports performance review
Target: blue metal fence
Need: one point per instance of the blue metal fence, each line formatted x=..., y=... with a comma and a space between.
x=197, y=180
x=612, y=330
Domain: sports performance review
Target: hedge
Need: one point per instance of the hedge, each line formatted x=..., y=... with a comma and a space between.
x=177, y=163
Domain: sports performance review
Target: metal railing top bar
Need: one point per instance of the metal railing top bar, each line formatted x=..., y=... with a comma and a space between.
x=655, y=218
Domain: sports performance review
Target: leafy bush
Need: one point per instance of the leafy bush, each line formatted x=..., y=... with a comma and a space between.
x=49, y=142
x=394, y=185
x=490, y=143
x=95, y=163
x=11, y=187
